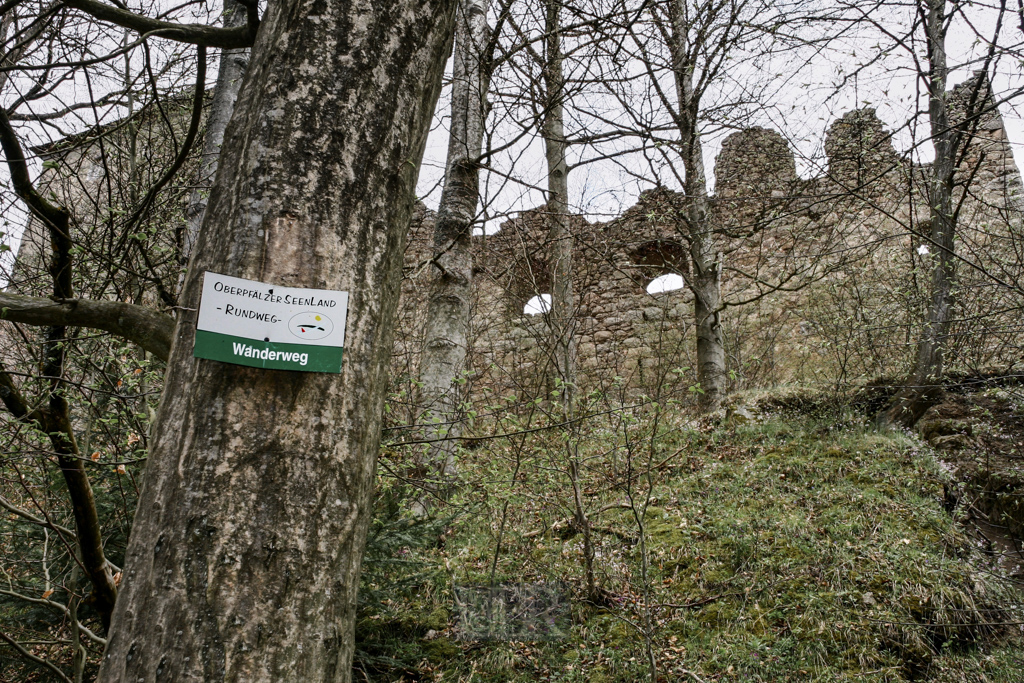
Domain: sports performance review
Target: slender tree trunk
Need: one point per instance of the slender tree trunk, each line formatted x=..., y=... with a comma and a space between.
x=563, y=304
x=244, y=558
x=233, y=64
x=924, y=386
x=706, y=273
x=54, y=419
x=446, y=341
x=562, y=316
x=77, y=650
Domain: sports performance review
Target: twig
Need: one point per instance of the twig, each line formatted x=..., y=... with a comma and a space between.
x=7, y=505
x=691, y=605
x=56, y=605
x=663, y=462
x=31, y=657
x=690, y=673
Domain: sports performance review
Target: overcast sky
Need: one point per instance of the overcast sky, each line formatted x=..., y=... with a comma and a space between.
x=804, y=103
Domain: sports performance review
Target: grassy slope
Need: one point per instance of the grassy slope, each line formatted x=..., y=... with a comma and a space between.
x=788, y=549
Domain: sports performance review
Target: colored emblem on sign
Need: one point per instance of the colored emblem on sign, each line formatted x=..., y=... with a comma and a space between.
x=310, y=325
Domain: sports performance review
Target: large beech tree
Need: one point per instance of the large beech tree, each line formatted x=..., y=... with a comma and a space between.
x=246, y=546
x=247, y=543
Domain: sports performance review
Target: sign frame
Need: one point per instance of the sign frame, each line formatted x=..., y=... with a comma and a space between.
x=260, y=325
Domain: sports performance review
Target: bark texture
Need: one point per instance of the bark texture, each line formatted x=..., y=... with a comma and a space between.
x=233, y=64
x=706, y=263
x=924, y=386
x=244, y=558
x=446, y=338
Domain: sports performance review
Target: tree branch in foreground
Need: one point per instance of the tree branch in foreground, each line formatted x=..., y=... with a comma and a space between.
x=139, y=324
x=196, y=34
x=56, y=423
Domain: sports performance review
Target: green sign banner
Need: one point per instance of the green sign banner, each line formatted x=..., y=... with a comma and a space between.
x=270, y=355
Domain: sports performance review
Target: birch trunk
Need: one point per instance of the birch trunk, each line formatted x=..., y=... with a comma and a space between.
x=233, y=63
x=244, y=558
x=924, y=386
x=705, y=280
x=446, y=341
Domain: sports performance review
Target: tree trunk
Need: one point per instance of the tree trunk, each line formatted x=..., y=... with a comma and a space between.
x=562, y=315
x=446, y=341
x=705, y=280
x=706, y=286
x=244, y=558
x=924, y=386
x=233, y=64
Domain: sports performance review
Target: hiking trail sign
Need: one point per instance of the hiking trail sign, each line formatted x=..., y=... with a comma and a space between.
x=264, y=326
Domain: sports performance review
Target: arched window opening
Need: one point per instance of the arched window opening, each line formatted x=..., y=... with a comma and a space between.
x=668, y=282
x=527, y=277
x=661, y=265
x=538, y=305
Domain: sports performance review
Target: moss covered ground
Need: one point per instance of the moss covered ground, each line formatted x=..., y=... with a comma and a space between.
x=792, y=547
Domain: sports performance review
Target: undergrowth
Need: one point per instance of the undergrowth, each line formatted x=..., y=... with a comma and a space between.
x=791, y=548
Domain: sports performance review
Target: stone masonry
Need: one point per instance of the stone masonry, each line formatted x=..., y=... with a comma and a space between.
x=788, y=244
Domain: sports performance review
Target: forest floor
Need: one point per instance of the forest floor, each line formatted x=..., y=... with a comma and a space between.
x=793, y=542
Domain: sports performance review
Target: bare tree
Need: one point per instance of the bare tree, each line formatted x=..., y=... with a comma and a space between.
x=233, y=63
x=446, y=340
x=563, y=300
x=703, y=41
x=699, y=35
x=950, y=140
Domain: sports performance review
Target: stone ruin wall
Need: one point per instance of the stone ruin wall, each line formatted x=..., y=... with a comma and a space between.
x=773, y=217
x=774, y=221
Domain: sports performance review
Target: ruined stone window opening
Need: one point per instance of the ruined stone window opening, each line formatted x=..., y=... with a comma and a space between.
x=528, y=279
x=661, y=266
x=538, y=305
x=669, y=282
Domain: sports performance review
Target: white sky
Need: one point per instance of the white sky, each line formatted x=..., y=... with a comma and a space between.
x=804, y=104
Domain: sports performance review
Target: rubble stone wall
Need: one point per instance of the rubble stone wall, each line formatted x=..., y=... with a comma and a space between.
x=794, y=249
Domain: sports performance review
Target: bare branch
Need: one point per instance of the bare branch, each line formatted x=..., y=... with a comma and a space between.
x=32, y=658
x=91, y=635
x=52, y=215
x=196, y=34
x=139, y=324
x=13, y=509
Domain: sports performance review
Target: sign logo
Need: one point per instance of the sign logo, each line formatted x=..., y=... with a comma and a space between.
x=310, y=325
